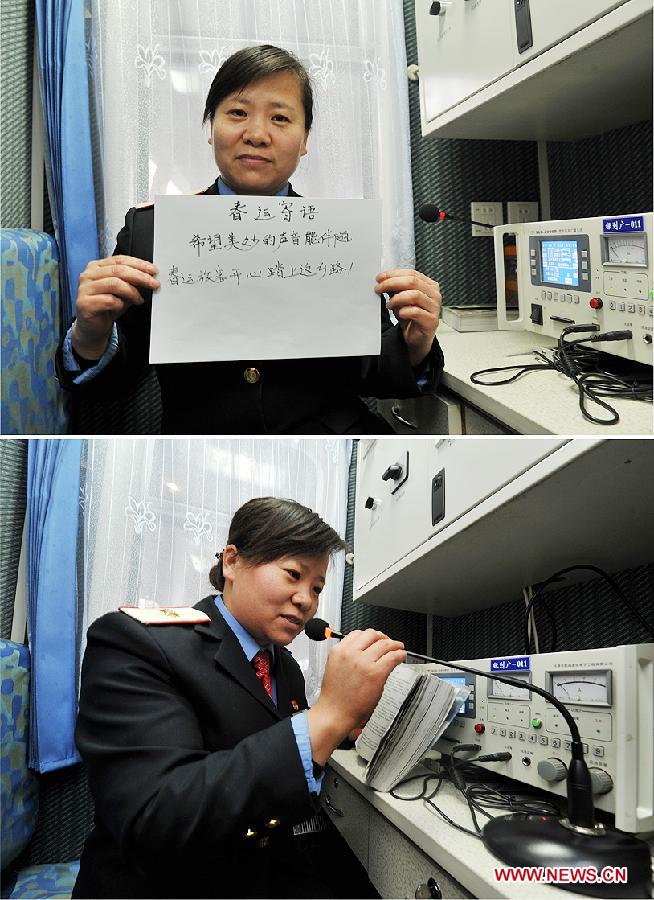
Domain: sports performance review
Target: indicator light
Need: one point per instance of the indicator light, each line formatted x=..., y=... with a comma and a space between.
x=537, y=723
x=596, y=303
x=479, y=728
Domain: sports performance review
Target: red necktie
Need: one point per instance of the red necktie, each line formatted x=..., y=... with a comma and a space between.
x=261, y=663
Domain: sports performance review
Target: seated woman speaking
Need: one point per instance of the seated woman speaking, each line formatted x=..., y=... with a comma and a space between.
x=204, y=762
x=260, y=107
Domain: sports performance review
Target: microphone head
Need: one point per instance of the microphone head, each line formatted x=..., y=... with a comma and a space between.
x=317, y=629
x=429, y=212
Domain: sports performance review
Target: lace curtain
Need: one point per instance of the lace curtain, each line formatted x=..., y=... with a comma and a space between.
x=151, y=63
x=156, y=511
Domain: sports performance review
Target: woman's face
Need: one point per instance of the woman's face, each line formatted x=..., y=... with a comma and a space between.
x=275, y=600
x=258, y=135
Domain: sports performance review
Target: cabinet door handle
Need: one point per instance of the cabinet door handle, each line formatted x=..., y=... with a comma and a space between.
x=330, y=806
x=429, y=891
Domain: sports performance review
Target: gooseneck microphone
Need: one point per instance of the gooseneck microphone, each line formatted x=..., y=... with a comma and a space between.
x=319, y=630
x=429, y=212
x=536, y=840
x=580, y=796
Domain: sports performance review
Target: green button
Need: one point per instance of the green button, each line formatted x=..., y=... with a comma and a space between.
x=537, y=723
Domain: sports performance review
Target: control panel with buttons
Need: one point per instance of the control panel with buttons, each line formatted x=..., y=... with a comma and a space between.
x=610, y=693
x=595, y=271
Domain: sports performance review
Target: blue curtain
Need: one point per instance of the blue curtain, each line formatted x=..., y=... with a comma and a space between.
x=53, y=492
x=64, y=88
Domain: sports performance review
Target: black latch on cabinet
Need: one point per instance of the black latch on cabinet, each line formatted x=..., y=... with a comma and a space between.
x=397, y=472
x=523, y=25
x=438, y=497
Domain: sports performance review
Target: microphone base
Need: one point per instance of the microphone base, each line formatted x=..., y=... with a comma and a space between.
x=535, y=840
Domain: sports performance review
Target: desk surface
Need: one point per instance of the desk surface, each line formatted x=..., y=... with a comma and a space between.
x=539, y=402
x=462, y=855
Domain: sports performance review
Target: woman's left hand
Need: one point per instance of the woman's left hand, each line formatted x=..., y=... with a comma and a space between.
x=416, y=303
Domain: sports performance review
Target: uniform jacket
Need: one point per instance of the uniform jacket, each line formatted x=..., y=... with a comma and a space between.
x=295, y=396
x=195, y=773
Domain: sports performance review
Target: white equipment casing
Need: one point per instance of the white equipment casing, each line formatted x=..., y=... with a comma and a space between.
x=611, y=269
x=616, y=724
x=483, y=76
x=466, y=524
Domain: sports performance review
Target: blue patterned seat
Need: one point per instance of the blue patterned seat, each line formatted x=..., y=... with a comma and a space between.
x=32, y=402
x=19, y=796
x=55, y=881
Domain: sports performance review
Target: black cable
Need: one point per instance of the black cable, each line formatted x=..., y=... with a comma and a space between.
x=550, y=615
x=479, y=795
x=554, y=631
x=450, y=821
x=428, y=798
x=423, y=793
x=532, y=367
x=581, y=364
x=585, y=567
x=584, y=366
x=461, y=748
x=573, y=370
x=458, y=781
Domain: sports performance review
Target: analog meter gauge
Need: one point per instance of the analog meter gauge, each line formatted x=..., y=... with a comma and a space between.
x=583, y=688
x=497, y=690
x=625, y=250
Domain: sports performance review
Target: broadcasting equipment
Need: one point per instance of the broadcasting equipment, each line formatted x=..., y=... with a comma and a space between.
x=595, y=271
x=610, y=693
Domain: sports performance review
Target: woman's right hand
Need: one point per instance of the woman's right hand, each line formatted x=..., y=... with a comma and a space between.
x=356, y=672
x=107, y=288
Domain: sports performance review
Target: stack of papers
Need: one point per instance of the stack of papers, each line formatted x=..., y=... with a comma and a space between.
x=414, y=710
x=474, y=318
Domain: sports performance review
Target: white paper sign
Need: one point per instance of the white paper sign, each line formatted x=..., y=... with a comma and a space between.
x=265, y=278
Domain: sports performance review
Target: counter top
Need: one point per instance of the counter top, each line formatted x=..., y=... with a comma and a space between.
x=537, y=403
x=462, y=855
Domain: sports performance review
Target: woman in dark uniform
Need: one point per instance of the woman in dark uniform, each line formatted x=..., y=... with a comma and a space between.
x=260, y=107
x=202, y=757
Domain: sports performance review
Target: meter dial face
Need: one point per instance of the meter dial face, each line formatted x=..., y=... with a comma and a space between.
x=626, y=250
x=497, y=690
x=585, y=688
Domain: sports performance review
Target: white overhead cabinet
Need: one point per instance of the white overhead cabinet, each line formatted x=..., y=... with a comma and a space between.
x=533, y=69
x=401, y=502
x=449, y=526
x=460, y=51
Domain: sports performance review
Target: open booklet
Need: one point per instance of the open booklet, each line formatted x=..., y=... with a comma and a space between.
x=414, y=710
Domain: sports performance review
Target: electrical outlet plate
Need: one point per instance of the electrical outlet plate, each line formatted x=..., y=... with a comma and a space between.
x=491, y=213
x=521, y=211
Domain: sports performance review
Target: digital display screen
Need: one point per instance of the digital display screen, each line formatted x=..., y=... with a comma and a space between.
x=560, y=263
x=459, y=682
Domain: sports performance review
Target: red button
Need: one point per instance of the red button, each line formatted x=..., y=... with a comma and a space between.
x=596, y=303
x=479, y=728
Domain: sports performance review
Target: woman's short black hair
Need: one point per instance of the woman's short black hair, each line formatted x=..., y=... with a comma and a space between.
x=267, y=528
x=248, y=65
